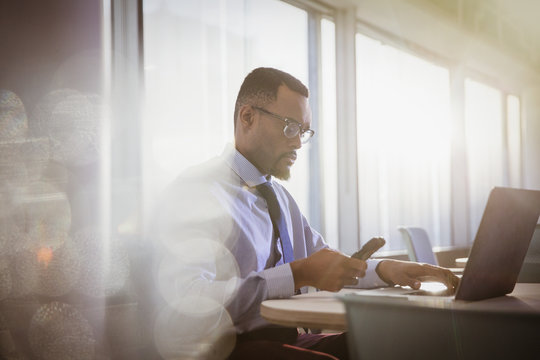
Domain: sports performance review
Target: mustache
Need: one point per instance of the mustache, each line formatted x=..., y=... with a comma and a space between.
x=291, y=154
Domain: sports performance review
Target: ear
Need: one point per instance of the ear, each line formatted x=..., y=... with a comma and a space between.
x=246, y=116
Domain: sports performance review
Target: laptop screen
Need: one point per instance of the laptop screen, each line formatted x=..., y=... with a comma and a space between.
x=501, y=242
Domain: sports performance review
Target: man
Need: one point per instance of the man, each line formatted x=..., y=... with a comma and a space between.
x=250, y=247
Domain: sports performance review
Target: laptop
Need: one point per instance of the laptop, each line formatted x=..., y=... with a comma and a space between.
x=498, y=251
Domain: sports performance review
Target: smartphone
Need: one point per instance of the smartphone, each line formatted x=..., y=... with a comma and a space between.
x=369, y=248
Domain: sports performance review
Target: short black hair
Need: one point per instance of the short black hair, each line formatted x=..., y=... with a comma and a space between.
x=261, y=85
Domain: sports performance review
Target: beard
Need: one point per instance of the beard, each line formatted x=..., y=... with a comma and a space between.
x=282, y=174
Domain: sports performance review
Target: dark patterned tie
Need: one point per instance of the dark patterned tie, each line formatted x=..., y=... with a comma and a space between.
x=278, y=220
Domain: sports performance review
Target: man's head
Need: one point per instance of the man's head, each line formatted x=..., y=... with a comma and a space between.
x=259, y=133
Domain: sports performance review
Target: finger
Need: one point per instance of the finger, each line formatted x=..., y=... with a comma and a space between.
x=450, y=279
x=437, y=279
x=455, y=280
x=439, y=274
x=352, y=273
x=340, y=284
x=351, y=281
x=412, y=282
x=446, y=279
x=357, y=264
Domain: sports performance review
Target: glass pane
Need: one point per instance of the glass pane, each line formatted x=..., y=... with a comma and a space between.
x=403, y=144
x=484, y=141
x=328, y=135
x=514, y=140
x=196, y=55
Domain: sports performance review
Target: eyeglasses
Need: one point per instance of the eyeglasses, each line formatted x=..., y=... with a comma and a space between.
x=292, y=127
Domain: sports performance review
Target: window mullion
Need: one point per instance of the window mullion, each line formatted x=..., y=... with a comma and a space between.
x=348, y=211
x=316, y=209
x=460, y=197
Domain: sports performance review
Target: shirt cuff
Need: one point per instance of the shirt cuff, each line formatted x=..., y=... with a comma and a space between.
x=371, y=280
x=279, y=281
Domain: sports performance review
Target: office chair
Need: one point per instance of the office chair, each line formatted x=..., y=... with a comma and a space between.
x=418, y=244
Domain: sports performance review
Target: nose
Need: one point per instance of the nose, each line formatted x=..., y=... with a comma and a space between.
x=295, y=142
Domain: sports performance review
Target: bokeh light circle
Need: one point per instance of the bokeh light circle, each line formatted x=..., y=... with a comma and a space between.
x=198, y=266
x=71, y=120
x=5, y=278
x=206, y=333
x=59, y=331
x=104, y=263
x=47, y=271
x=13, y=120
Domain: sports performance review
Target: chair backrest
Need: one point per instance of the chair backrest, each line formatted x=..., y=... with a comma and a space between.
x=418, y=244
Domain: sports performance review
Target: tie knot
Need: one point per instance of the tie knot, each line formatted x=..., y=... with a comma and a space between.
x=265, y=186
x=267, y=192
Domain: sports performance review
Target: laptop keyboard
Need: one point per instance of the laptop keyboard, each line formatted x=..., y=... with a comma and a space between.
x=445, y=292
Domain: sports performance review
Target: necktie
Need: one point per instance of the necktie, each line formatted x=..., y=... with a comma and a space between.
x=278, y=220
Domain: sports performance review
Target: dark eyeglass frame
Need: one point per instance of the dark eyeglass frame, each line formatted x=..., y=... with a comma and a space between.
x=292, y=127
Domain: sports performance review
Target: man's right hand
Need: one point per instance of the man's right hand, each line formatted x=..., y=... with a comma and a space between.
x=327, y=269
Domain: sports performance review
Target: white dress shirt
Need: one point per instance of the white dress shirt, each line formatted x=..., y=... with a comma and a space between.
x=219, y=243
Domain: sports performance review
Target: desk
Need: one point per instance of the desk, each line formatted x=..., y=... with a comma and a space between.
x=317, y=310
x=461, y=262
x=503, y=327
x=323, y=309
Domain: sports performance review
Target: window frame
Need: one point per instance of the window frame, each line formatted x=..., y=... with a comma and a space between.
x=347, y=25
x=460, y=224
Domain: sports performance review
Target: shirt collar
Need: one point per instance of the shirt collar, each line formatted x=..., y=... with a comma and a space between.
x=243, y=167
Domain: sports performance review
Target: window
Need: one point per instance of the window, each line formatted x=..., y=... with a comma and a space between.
x=484, y=142
x=514, y=140
x=197, y=53
x=196, y=56
x=403, y=107
x=493, y=144
x=405, y=139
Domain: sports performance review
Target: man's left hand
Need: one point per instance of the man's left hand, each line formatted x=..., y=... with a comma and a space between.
x=406, y=273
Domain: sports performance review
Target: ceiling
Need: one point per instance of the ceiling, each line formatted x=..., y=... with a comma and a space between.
x=511, y=25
